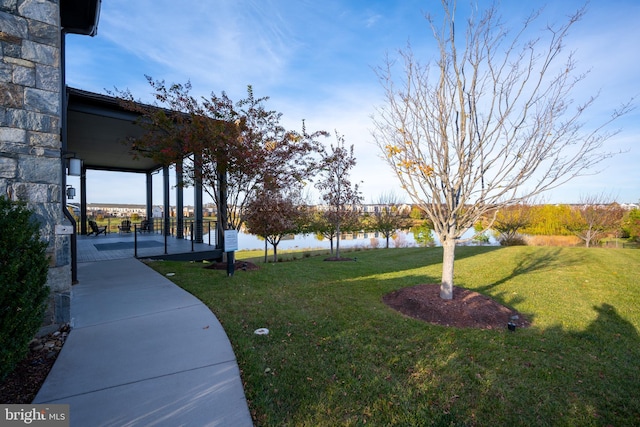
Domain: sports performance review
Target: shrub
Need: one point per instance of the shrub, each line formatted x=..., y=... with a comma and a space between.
x=514, y=240
x=23, y=277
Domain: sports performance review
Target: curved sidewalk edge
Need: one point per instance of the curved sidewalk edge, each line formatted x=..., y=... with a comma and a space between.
x=143, y=351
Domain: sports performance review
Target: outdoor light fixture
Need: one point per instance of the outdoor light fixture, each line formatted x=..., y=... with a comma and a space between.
x=75, y=167
x=71, y=192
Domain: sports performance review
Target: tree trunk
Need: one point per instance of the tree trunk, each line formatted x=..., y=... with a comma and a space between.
x=275, y=253
x=265, y=250
x=448, y=256
x=338, y=241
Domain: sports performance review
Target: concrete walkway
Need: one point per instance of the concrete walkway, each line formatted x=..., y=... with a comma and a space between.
x=144, y=352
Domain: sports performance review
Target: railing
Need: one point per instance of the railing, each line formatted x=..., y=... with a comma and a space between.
x=184, y=229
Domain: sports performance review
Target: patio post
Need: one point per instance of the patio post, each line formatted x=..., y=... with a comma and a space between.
x=179, y=201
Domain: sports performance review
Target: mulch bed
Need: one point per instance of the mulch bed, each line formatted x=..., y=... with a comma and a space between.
x=22, y=385
x=467, y=309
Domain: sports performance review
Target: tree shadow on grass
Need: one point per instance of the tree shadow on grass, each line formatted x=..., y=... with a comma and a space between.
x=533, y=262
x=442, y=376
x=555, y=377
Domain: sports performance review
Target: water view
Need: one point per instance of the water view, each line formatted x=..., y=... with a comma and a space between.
x=353, y=240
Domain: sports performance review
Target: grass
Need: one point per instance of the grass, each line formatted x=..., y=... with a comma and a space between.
x=336, y=355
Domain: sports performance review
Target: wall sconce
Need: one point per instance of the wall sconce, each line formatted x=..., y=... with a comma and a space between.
x=74, y=165
x=71, y=192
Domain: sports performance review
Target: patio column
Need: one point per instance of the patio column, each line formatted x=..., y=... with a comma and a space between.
x=83, y=201
x=167, y=208
x=179, y=201
x=223, y=220
x=197, y=199
x=150, y=199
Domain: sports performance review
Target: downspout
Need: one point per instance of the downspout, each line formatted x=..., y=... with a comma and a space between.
x=64, y=101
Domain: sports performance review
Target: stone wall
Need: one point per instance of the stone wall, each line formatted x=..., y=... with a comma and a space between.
x=30, y=165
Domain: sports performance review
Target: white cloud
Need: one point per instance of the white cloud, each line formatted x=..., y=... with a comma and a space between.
x=314, y=60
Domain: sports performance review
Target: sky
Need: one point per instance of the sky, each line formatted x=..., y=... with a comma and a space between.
x=316, y=62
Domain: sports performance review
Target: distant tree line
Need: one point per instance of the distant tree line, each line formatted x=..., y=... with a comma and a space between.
x=591, y=220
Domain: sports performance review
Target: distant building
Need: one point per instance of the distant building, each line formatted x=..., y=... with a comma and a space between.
x=127, y=210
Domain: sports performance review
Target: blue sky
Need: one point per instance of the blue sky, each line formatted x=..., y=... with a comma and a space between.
x=316, y=60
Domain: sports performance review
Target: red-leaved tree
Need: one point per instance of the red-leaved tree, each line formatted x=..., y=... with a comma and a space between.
x=233, y=148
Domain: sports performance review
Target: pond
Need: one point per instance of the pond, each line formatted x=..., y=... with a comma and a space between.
x=404, y=238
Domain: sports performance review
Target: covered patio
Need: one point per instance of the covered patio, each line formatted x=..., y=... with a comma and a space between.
x=96, y=131
x=156, y=246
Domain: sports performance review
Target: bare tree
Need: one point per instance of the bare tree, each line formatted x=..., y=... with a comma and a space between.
x=341, y=196
x=597, y=216
x=490, y=122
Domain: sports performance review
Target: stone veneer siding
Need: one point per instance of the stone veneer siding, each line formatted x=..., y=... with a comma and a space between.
x=30, y=165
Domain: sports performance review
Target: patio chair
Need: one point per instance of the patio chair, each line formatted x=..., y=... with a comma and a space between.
x=125, y=226
x=96, y=229
x=145, y=226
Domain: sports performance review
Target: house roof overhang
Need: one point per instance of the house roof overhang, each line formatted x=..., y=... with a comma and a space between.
x=80, y=16
x=98, y=129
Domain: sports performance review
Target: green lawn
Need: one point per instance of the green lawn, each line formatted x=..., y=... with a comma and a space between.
x=336, y=355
